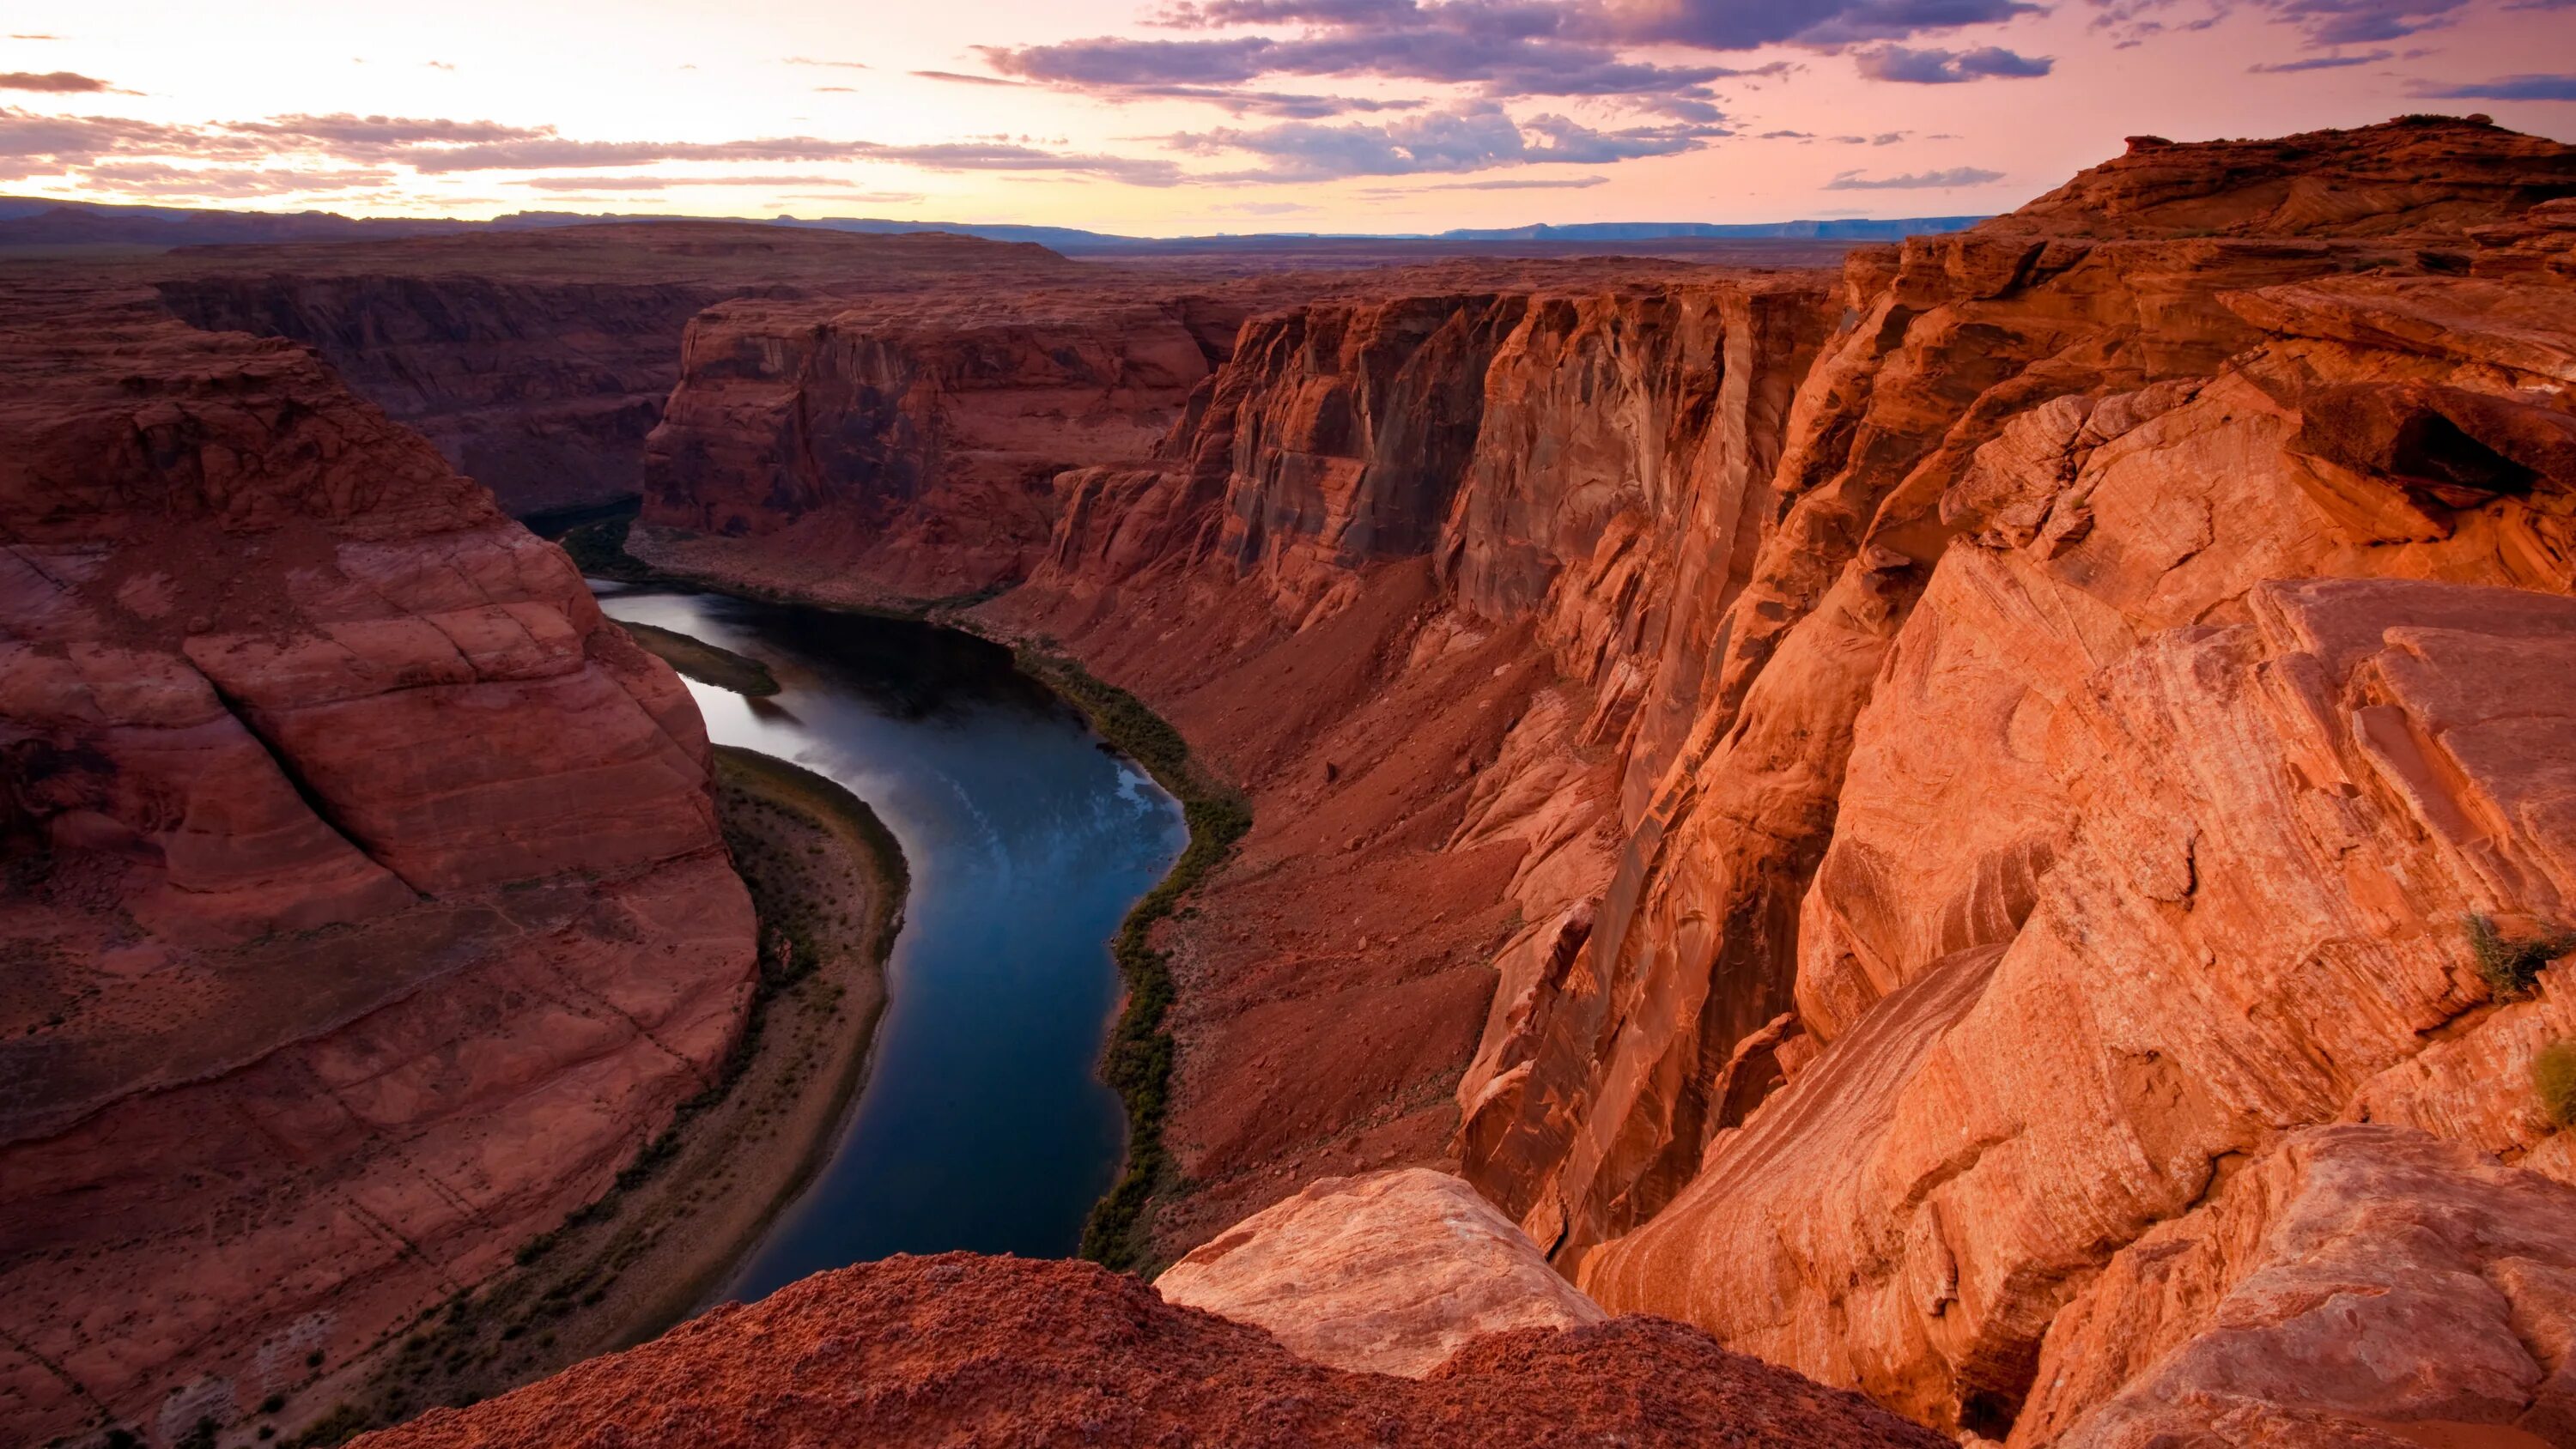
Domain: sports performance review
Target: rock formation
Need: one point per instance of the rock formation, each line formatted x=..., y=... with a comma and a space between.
x=365, y=908
x=967, y=1350
x=1390, y=1273
x=1983, y=829
x=539, y=361
x=1953, y=770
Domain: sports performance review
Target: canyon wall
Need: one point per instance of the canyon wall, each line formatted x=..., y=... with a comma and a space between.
x=1890, y=816
x=920, y=449
x=365, y=905
x=541, y=390
x=538, y=362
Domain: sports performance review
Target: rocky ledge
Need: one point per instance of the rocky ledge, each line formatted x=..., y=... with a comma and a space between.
x=964, y=1350
x=365, y=908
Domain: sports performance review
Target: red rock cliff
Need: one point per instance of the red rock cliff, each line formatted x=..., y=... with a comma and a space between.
x=539, y=361
x=1963, y=779
x=365, y=903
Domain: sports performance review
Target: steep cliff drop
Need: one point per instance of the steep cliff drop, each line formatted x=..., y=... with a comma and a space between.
x=538, y=361
x=365, y=905
x=1964, y=776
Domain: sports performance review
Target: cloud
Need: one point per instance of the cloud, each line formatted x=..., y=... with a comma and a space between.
x=35, y=37
x=438, y=65
x=2510, y=88
x=1498, y=183
x=382, y=135
x=1914, y=181
x=2320, y=23
x=836, y=90
x=664, y=183
x=2321, y=62
x=1746, y=24
x=1477, y=137
x=553, y=152
x=1262, y=208
x=1502, y=47
x=1949, y=67
x=963, y=79
x=1272, y=105
x=831, y=64
x=36, y=145
x=1497, y=50
x=159, y=179
x=59, y=82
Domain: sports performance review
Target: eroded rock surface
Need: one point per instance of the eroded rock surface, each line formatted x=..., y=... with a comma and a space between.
x=1390, y=1273
x=365, y=908
x=2303, y=1302
x=538, y=361
x=999, y=1350
x=1949, y=769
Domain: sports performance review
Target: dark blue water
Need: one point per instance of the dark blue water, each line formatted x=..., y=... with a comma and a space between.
x=982, y=1125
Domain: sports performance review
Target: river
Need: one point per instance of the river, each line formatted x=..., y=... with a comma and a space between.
x=983, y=1125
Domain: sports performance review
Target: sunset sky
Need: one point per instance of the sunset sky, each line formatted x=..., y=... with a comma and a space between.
x=1222, y=115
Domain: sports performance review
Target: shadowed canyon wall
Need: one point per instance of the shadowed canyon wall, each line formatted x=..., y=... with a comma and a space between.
x=538, y=363
x=365, y=906
x=1891, y=816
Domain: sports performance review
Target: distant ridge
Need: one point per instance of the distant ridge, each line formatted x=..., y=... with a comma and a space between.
x=1845, y=229
x=28, y=221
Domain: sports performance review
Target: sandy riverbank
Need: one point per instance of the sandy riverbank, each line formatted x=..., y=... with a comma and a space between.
x=829, y=883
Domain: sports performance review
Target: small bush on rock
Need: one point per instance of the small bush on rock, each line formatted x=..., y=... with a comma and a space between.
x=2512, y=967
x=2553, y=1076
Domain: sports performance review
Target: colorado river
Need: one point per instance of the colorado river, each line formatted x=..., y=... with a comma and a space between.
x=982, y=1125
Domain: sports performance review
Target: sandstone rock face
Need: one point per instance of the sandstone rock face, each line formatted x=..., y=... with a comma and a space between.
x=999, y=1350
x=1387, y=1274
x=2075, y=910
x=365, y=903
x=929, y=447
x=1949, y=771
x=538, y=362
x=543, y=391
x=2301, y=1302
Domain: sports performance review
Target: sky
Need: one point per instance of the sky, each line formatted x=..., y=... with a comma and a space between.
x=1172, y=117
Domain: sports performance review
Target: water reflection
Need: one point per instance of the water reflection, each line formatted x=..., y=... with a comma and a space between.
x=982, y=1125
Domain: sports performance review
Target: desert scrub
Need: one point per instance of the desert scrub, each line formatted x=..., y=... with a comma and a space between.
x=2511, y=968
x=2553, y=1077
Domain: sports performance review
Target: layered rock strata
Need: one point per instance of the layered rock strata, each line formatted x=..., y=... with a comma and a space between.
x=538, y=361
x=366, y=909
x=1951, y=769
x=1390, y=1273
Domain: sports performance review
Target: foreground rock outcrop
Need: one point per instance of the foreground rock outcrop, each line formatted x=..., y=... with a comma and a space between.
x=1390, y=1274
x=365, y=906
x=967, y=1350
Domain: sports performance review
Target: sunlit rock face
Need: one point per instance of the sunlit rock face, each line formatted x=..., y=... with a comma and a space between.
x=1391, y=1273
x=366, y=904
x=1863, y=812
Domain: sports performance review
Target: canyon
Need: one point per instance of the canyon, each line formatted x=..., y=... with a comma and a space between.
x=1987, y=828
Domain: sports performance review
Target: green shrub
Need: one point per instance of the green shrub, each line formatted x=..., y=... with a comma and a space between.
x=1138, y=1061
x=2512, y=967
x=2553, y=1076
